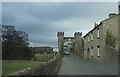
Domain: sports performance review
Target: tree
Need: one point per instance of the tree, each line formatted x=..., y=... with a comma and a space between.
x=15, y=44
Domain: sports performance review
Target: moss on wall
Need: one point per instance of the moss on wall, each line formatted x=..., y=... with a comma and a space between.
x=110, y=39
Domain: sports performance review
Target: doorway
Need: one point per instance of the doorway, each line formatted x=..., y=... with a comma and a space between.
x=88, y=53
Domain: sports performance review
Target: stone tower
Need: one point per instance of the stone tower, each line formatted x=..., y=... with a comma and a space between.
x=119, y=28
x=60, y=36
x=119, y=7
x=78, y=44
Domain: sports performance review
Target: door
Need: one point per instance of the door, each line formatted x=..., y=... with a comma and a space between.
x=88, y=53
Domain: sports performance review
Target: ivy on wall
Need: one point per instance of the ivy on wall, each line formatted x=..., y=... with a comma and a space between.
x=82, y=43
x=110, y=39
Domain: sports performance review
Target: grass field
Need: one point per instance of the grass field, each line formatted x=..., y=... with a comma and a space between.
x=11, y=66
x=44, y=58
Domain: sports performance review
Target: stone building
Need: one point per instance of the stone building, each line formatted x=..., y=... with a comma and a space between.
x=101, y=43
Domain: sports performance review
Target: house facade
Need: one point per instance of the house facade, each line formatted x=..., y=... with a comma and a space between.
x=101, y=43
x=93, y=44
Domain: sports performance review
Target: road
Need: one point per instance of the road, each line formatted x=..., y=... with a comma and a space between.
x=73, y=65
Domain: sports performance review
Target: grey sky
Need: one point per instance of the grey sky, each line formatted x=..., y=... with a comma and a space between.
x=42, y=20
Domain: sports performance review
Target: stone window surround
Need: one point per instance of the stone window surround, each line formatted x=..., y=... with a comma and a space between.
x=92, y=52
x=98, y=51
x=88, y=39
x=98, y=33
x=85, y=41
x=91, y=36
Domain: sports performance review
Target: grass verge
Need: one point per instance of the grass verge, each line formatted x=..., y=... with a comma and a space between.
x=11, y=66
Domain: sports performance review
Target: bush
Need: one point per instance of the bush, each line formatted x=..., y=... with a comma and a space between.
x=43, y=57
x=110, y=39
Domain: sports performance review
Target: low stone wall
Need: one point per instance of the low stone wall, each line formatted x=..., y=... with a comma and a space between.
x=111, y=55
x=49, y=68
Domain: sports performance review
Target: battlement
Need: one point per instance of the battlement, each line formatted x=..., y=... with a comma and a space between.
x=60, y=33
x=78, y=34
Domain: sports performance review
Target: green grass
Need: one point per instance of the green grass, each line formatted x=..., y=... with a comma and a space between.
x=11, y=66
x=44, y=58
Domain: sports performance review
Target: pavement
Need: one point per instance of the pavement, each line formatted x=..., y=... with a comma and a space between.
x=73, y=65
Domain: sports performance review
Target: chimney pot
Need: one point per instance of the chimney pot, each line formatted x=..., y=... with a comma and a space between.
x=112, y=15
x=95, y=24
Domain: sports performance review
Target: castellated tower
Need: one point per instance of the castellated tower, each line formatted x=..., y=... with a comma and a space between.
x=60, y=33
x=60, y=36
x=78, y=43
x=119, y=8
x=77, y=34
x=119, y=27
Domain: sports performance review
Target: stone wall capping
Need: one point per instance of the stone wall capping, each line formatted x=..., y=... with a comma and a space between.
x=42, y=69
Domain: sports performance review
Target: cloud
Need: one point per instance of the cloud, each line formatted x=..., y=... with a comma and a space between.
x=42, y=20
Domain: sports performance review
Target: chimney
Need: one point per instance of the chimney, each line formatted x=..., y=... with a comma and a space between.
x=112, y=15
x=95, y=24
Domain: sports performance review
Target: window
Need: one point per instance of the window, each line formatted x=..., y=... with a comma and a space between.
x=91, y=51
x=85, y=40
x=98, y=50
x=91, y=36
x=98, y=32
x=88, y=38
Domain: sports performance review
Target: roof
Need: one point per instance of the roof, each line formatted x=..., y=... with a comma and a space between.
x=92, y=30
x=109, y=18
x=99, y=25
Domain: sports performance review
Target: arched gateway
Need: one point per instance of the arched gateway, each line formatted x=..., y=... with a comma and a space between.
x=77, y=39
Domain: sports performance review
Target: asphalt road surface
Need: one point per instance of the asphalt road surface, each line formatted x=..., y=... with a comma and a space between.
x=73, y=65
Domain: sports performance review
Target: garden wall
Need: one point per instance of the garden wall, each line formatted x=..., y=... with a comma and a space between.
x=49, y=68
x=111, y=55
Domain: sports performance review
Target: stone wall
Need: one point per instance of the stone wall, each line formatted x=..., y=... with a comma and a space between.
x=49, y=68
x=111, y=55
x=60, y=36
x=91, y=46
x=111, y=25
x=119, y=35
x=78, y=44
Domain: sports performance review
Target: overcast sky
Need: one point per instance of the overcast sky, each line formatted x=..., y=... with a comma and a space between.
x=42, y=20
